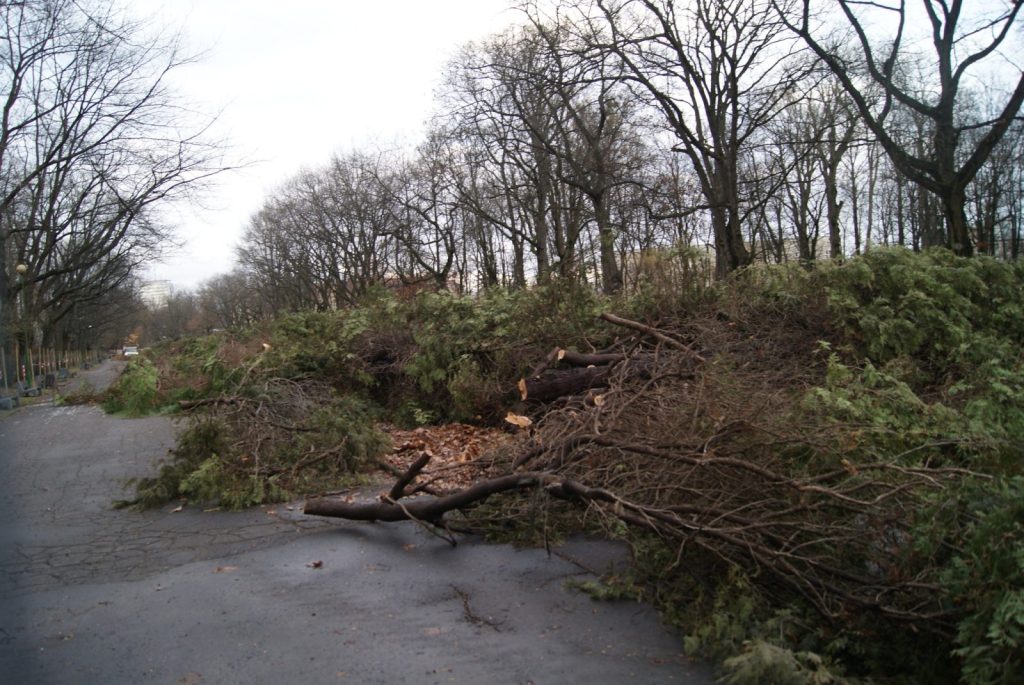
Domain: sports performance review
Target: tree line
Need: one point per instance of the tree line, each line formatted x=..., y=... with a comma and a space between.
x=605, y=142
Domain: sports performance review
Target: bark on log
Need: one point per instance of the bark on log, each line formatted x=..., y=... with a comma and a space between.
x=653, y=332
x=568, y=357
x=585, y=374
x=398, y=489
x=557, y=383
x=429, y=509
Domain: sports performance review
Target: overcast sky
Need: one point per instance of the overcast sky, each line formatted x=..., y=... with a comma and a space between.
x=298, y=80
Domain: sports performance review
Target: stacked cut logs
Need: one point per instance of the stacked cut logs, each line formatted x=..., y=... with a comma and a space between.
x=564, y=372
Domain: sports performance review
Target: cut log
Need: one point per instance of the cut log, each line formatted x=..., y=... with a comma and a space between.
x=589, y=371
x=429, y=509
x=569, y=358
x=185, y=405
x=560, y=382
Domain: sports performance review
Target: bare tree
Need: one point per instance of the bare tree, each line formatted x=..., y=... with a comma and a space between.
x=427, y=219
x=948, y=164
x=233, y=300
x=358, y=217
x=994, y=194
x=274, y=251
x=91, y=142
x=719, y=73
x=594, y=132
x=499, y=104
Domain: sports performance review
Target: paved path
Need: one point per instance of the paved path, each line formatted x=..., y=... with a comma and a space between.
x=89, y=594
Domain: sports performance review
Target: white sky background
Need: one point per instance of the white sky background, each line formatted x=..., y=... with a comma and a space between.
x=297, y=81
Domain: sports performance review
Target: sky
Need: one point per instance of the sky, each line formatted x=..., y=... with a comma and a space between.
x=294, y=82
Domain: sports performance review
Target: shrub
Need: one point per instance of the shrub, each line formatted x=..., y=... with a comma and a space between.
x=235, y=460
x=987, y=575
x=136, y=392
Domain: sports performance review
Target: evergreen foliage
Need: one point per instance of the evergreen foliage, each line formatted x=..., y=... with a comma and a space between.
x=137, y=391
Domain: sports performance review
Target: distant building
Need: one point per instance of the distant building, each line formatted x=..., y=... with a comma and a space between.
x=154, y=294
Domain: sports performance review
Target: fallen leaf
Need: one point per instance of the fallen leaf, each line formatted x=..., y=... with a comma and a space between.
x=561, y=354
x=409, y=547
x=598, y=400
x=177, y=508
x=522, y=388
x=315, y=564
x=225, y=569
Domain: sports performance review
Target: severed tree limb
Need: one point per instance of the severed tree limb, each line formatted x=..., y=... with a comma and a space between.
x=653, y=332
x=430, y=509
x=430, y=528
x=773, y=545
x=398, y=489
x=588, y=371
x=560, y=356
x=563, y=382
x=385, y=465
x=206, y=401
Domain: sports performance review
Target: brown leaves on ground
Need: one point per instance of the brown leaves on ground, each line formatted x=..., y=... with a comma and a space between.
x=459, y=452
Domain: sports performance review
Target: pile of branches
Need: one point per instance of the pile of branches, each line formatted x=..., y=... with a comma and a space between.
x=684, y=434
x=265, y=440
x=279, y=426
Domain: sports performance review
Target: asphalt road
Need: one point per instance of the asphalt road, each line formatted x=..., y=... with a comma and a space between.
x=90, y=594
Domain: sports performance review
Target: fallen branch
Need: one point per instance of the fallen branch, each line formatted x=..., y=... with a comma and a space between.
x=653, y=332
x=398, y=489
x=429, y=509
x=187, y=405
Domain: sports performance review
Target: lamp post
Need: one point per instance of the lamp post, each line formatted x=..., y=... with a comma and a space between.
x=5, y=328
x=21, y=270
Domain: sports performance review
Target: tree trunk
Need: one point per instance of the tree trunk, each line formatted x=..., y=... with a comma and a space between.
x=730, y=250
x=959, y=234
x=833, y=208
x=611, y=274
x=563, y=382
x=540, y=210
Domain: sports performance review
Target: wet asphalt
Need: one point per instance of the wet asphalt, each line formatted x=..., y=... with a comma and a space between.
x=91, y=594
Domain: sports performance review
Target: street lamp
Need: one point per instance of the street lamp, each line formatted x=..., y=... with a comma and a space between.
x=21, y=270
